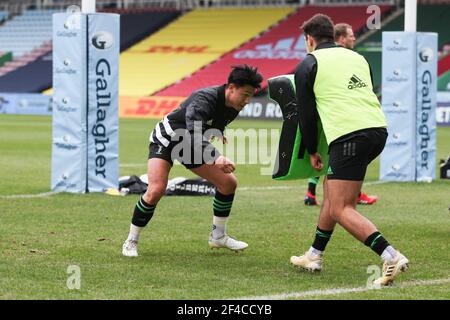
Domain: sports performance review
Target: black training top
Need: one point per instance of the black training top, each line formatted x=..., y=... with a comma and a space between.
x=204, y=108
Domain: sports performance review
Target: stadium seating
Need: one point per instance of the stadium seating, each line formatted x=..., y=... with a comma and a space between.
x=5, y=57
x=444, y=74
x=34, y=73
x=138, y=24
x=26, y=32
x=275, y=52
x=3, y=15
x=189, y=43
x=27, y=36
x=430, y=18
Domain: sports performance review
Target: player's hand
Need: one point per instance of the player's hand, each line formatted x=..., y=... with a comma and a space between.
x=316, y=161
x=225, y=164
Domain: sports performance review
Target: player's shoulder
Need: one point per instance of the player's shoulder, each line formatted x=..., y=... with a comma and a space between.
x=207, y=91
x=307, y=65
x=206, y=95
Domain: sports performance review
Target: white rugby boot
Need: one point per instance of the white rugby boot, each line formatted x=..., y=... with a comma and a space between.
x=226, y=242
x=129, y=248
x=392, y=269
x=308, y=261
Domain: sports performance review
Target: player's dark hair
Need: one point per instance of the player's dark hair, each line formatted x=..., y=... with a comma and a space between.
x=242, y=75
x=320, y=27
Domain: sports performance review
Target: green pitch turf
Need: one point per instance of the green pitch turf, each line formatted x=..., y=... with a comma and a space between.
x=41, y=237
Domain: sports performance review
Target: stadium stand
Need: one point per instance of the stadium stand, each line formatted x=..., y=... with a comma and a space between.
x=27, y=36
x=444, y=65
x=444, y=73
x=3, y=15
x=444, y=82
x=138, y=24
x=33, y=77
x=278, y=51
x=430, y=18
x=5, y=57
x=26, y=32
x=36, y=75
x=189, y=43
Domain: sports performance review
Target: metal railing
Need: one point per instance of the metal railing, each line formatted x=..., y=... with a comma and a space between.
x=20, y=5
x=353, y=2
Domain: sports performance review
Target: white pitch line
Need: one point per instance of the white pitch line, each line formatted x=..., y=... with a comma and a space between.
x=267, y=188
x=26, y=196
x=297, y=186
x=371, y=183
x=46, y=194
x=336, y=291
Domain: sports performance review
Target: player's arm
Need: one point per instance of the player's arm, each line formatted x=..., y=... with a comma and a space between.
x=371, y=74
x=308, y=116
x=197, y=115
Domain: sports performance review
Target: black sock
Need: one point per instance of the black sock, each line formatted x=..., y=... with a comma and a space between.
x=222, y=204
x=312, y=183
x=322, y=238
x=376, y=242
x=312, y=188
x=143, y=212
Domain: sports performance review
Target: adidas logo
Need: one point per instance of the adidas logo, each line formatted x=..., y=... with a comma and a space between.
x=287, y=48
x=330, y=171
x=356, y=82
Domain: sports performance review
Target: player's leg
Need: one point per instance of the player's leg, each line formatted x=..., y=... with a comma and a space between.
x=158, y=169
x=312, y=259
x=344, y=185
x=310, y=196
x=226, y=184
x=342, y=196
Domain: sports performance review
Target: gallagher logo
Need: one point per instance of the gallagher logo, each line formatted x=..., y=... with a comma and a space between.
x=426, y=55
x=103, y=40
x=396, y=46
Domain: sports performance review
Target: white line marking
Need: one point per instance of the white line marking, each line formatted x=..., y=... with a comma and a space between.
x=267, y=188
x=25, y=196
x=46, y=194
x=336, y=291
x=371, y=183
x=297, y=186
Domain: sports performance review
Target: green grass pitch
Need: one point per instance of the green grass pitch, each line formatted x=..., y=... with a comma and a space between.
x=40, y=237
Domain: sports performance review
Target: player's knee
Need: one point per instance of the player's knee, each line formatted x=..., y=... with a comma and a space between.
x=154, y=193
x=336, y=212
x=228, y=185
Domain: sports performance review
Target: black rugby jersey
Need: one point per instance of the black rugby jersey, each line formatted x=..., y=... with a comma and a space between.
x=204, y=107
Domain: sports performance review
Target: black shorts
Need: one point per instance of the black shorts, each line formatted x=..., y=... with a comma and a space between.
x=190, y=161
x=351, y=154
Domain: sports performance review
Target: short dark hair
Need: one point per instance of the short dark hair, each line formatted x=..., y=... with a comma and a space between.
x=320, y=27
x=340, y=30
x=242, y=75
